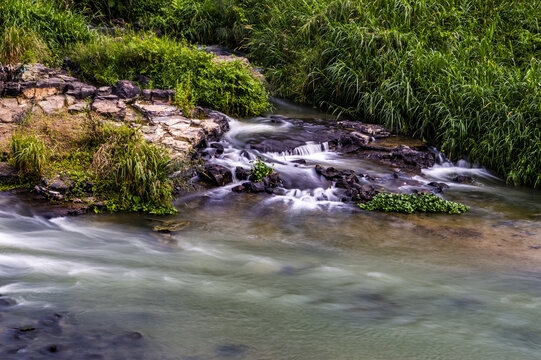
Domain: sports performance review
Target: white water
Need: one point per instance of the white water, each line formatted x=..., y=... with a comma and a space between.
x=297, y=276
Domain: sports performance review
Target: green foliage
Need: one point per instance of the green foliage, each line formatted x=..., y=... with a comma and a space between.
x=464, y=74
x=18, y=45
x=28, y=154
x=260, y=170
x=403, y=203
x=43, y=24
x=226, y=86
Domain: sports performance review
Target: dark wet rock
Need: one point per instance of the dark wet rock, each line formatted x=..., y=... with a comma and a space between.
x=219, y=148
x=80, y=90
x=163, y=95
x=349, y=181
x=299, y=161
x=50, y=320
x=216, y=175
x=6, y=302
x=255, y=187
x=461, y=179
x=242, y=173
x=279, y=191
x=438, y=186
x=231, y=350
x=12, y=89
x=414, y=158
x=126, y=89
x=146, y=94
x=143, y=80
x=8, y=174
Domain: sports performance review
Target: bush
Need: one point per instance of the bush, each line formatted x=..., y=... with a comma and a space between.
x=18, y=45
x=28, y=154
x=226, y=86
x=404, y=203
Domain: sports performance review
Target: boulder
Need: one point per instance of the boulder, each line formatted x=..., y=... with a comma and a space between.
x=216, y=175
x=438, y=186
x=8, y=174
x=80, y=90
x=157, y=110
x=242, y=173
x=126, y=89
x=163, y=95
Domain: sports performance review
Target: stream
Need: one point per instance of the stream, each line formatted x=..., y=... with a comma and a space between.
x=297, y=275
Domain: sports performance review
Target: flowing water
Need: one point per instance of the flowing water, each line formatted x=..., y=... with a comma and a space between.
x=299, y=275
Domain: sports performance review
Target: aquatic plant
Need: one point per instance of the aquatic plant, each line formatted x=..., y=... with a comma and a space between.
x=404, y=203
x=260, y=170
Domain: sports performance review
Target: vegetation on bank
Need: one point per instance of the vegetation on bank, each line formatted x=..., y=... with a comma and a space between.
x=95, y=159
x=404, y=203
x=464, y=74
x=226, y=86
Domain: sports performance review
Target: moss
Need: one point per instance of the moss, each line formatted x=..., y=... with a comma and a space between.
x=403, y=203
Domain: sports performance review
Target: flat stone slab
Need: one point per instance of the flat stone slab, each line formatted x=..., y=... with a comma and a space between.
x=157, y=110
x=115, y=109
x=11, y=111
x=53, y=104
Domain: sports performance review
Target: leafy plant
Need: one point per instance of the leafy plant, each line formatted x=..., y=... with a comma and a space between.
x=260, y=170
x=28, y=154
x=404, y=203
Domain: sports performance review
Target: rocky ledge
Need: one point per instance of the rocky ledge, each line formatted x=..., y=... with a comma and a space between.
x=38, y=90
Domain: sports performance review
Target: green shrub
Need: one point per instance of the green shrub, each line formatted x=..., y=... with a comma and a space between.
x=226, y=86
x=18, y=45
x=28, y=154
x=260, y=170
x=403, y=203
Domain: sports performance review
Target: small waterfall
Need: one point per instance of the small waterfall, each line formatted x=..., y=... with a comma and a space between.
x=305, y=150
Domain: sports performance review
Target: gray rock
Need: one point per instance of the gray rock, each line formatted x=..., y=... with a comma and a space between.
x=109, y=106
x=80, y=90
x=52, y=104
x=104, y=90
x=11, y=111
x=163, y=95
x=126, y=89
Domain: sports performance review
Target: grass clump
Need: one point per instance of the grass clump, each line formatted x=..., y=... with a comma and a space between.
x=404, y=203
x=132, y=172
x=260, y=170
x=28, y=154
x=38, y=30
x=225, y=86
x=19, y=45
